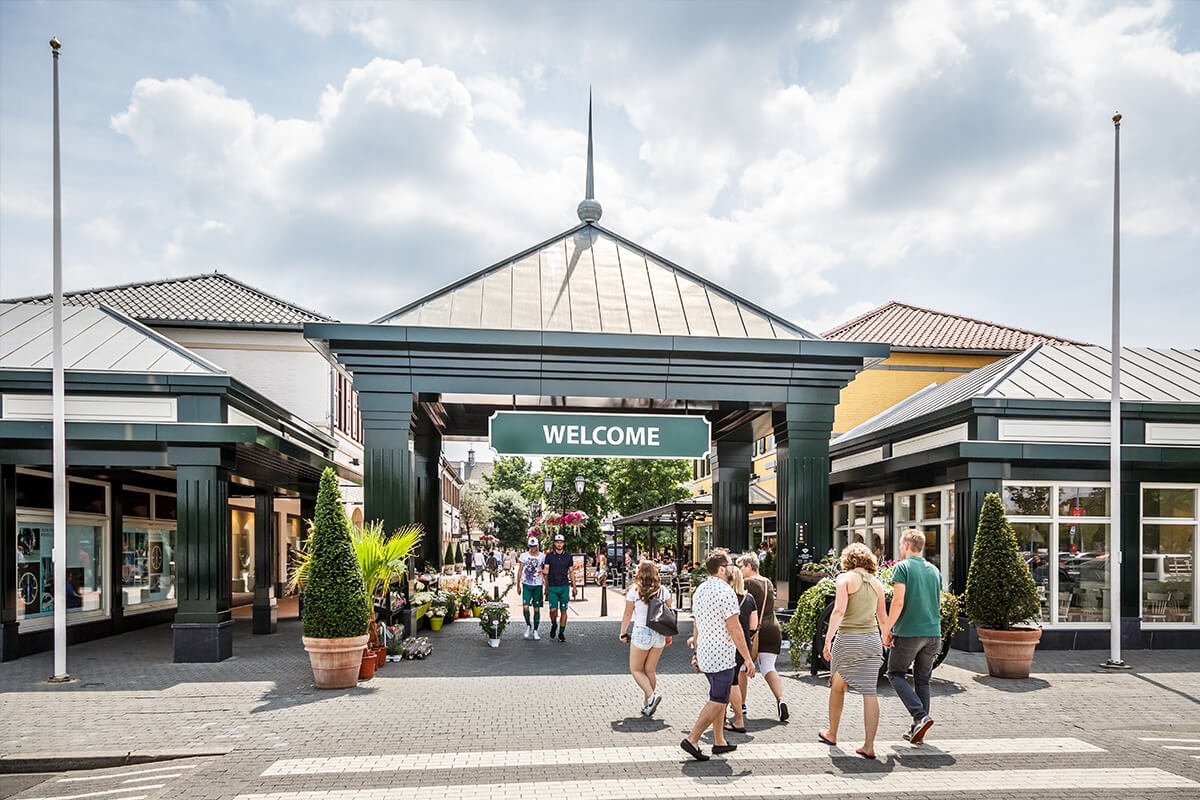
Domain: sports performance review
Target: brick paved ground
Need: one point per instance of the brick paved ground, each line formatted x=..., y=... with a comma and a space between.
x=466, y=700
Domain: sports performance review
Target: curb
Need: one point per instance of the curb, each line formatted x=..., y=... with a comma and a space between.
x=65, y=762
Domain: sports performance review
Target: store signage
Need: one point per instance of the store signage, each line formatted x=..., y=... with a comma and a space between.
x=533, y=433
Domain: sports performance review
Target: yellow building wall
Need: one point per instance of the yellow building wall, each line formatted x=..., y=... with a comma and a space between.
x=878, y=388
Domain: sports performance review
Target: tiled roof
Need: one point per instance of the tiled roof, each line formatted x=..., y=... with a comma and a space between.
x=210, y=299
x=590, y=280
x=1148, y=374
x=907, y=327
x=94, y=340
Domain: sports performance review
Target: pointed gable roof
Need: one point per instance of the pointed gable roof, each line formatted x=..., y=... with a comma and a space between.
x=212, y=299
x=907, y=327
x=590, y=280
x=1045, y=372
x=94, y=340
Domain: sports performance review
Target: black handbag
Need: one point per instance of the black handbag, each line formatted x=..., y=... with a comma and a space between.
x=660, y=617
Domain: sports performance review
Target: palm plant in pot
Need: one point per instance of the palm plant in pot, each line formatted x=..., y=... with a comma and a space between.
x=335, y=617
x=1001, y=597
x=381, y=558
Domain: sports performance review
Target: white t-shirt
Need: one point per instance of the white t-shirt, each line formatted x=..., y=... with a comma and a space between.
x=713, y=603
x=640, y=606
x=531, y=568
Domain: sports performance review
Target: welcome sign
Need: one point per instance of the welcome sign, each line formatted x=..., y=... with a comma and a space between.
x=533, y=433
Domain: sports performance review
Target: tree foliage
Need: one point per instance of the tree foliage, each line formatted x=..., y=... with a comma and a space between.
x=516, y=473
x=1000, y=589
x=637, y=484
x=510, y=513
x=593, y=502
x=334, y=592
x=474, y=508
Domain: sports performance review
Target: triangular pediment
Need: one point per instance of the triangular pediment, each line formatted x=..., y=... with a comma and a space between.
x=590, y=280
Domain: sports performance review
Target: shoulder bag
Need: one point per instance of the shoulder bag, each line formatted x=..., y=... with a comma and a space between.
x=660, y=617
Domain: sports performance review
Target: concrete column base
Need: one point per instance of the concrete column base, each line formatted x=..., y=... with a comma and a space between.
x=202, y=642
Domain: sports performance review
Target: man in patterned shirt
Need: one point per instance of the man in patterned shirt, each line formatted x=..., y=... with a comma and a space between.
x=717, y=638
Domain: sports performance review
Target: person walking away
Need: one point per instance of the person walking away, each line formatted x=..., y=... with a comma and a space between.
x=748, y=619
x=717, y=639
x=915, y=635
x=768, y=642
x=854, y=645
x=467, y=562
x=558, y=572
x=478, y=559
x=530, y=564
x=645, y=644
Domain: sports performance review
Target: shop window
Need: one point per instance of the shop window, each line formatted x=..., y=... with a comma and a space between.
x=34, y=491
x=147, y=565
x=135, y=504
x=1027, y=501
x=87, y=498
x=164, y=506
x=242, y=550
x=35, y=568
x=1170, y=522
x=930, y=511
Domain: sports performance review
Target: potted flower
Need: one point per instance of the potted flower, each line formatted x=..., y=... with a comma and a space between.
x=437, y=613
x=1001, y=598
x=493, y=618
x=335, y=616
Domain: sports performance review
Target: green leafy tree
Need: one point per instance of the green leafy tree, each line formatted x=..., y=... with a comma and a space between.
x=513, y=472
x=1000, y=589
x=474, y=509
x=334, y=592
x=510, y=513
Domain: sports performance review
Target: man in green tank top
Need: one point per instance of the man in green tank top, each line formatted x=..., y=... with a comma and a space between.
x=916, y=630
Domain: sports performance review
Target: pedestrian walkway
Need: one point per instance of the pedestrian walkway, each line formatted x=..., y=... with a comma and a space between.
x=550, y=720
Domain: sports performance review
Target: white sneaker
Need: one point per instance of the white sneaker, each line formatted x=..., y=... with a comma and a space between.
x=652, y=706
x=528, y=631
x=536, y=638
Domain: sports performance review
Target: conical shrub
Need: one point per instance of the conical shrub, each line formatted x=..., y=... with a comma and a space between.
x=448, y=559
x=1000, y=591
x=334, y=591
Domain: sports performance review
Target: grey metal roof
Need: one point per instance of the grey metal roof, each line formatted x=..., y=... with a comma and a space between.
x=94, y=340
x=211, y=299
x=590, y=280
x=1045, y=372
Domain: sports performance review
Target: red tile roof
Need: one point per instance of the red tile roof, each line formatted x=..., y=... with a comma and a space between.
x=907, y=327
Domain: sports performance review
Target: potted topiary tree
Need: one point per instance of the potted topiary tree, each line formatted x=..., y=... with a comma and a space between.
x=1001, y=597
x=335, y=615
x=448, y=559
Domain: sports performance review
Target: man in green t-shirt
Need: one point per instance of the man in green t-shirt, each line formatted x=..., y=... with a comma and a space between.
x=916, y=630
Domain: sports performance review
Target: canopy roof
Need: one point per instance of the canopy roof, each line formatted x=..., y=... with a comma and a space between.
x=590, y=280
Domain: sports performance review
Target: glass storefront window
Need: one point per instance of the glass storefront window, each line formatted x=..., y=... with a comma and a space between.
x=1027, y=501
x=858, y=514
x=242, y=554
x=930, y=511
x=931, y=505
x=1165, y=502
x=147, y=565
x=1083, y=501
x=906, y=508
x=1170, y=521
x=861, y=521
x=35, y=568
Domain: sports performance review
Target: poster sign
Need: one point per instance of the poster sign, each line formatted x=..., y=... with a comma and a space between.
x=533, y=433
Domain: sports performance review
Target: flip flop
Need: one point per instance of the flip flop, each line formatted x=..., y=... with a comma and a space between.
x=693, y=751
x=729, y=726
x=821, y=736
x=870, y=756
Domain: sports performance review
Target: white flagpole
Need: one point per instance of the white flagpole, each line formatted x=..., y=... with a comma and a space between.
x=1114, y=434
x=59, y=424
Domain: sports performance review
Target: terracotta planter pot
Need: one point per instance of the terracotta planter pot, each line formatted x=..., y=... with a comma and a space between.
x=1009, y=653
x=380, y=656
x=367, y=665
x=335, y=662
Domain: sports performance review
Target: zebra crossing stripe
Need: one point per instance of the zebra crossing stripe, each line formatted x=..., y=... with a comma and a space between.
x=814, y=784
x=501, y=759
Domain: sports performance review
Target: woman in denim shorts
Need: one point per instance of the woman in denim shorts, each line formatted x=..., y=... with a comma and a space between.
x=647, y=644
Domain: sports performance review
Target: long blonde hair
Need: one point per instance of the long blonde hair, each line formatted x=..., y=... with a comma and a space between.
x=646, y=580
x=737, y=582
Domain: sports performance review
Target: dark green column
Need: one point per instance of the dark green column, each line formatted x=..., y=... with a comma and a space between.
x=428, y=467
x=731, y=460
x=388, y=485
x=8, y=566
x=802, y=433
x=203, y=627
x=1131, y=561
x=968, y=502
x=116, y=597
x=266, y=548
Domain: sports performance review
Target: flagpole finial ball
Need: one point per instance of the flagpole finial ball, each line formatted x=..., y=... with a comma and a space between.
x=55, y=44
x=1117, y=117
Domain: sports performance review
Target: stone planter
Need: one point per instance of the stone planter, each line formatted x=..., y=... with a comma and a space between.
x=1009, y=653
x=335, y=662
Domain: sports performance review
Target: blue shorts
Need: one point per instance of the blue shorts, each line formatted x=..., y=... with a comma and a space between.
x=719, y=684
x=644, y=638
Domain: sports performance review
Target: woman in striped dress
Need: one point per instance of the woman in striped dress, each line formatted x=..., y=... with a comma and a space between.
x=854, y=645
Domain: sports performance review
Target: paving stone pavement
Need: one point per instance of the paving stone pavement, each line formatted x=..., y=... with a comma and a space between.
x=475, y=713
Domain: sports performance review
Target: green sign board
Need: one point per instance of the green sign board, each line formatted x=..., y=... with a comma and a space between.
x=533, y=433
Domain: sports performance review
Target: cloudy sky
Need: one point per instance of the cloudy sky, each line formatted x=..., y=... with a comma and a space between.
x=820, y=159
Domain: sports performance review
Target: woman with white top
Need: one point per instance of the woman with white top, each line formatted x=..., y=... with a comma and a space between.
x=646, y=644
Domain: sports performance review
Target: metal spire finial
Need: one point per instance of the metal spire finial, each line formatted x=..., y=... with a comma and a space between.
x=589, y=210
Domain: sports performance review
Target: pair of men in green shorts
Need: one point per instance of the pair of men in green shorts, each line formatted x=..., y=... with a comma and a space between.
x=552, y=570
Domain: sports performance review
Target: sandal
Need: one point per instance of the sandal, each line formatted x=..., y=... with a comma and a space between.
x=821, y=736
x=865, y=754
x=729, y=726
